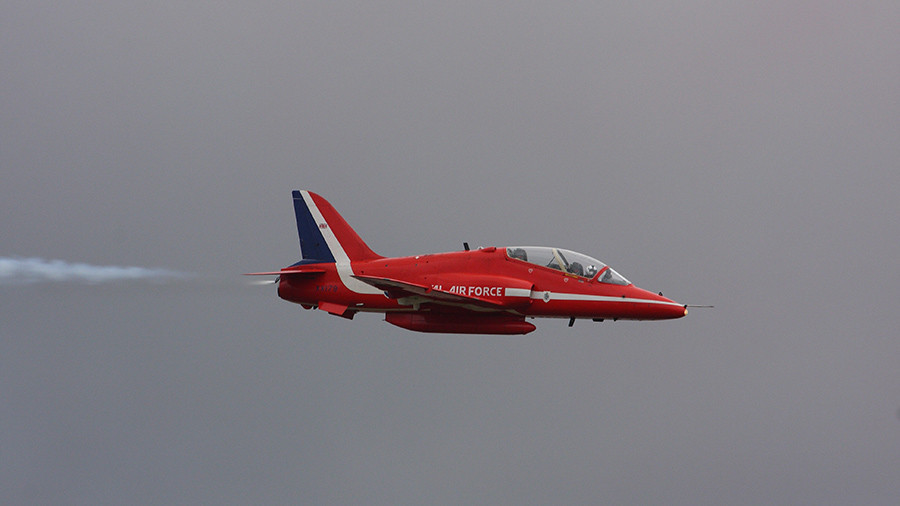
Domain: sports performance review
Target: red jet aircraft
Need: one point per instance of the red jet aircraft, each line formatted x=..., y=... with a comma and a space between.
x=485, y=291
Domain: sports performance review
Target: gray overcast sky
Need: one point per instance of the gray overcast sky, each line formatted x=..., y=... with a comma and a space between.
x=743, y=154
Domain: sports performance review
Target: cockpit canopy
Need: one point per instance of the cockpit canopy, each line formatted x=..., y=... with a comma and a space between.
x=567, y=261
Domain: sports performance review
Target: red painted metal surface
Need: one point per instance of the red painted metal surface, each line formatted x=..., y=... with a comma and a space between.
x=485, y=291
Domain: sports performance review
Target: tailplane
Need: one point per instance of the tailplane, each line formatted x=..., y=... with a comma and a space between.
x=324, y=235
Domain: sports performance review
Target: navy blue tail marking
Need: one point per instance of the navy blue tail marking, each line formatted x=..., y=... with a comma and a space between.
x=312, y=243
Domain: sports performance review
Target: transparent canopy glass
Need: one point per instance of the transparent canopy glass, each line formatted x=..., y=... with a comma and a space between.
x=567, y=261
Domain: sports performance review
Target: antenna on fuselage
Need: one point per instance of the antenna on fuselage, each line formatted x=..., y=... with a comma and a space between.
x=466, y=246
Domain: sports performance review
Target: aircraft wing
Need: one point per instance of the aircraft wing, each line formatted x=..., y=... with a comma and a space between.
x=396, y=289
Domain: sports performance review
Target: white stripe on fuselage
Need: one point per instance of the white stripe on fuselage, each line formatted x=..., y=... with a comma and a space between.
x=539, y=295
x=517, y=292
x=342, y=261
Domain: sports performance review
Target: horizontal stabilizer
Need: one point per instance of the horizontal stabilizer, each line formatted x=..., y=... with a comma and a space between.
x=289, y=272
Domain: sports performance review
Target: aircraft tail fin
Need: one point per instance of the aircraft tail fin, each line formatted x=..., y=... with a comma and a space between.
x=324, y=235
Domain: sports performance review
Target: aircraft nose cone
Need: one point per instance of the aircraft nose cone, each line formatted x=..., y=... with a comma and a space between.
x=673, y=309
x=664, y=308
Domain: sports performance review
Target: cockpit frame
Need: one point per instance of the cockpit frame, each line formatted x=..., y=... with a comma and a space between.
x=568, y=262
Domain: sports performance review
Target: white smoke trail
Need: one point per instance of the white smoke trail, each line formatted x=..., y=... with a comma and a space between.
x=26, y=271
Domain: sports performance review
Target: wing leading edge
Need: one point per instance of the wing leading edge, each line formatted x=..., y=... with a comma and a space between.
x=395, y=289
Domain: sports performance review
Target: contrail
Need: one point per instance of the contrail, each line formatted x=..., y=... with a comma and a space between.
x=26, y=271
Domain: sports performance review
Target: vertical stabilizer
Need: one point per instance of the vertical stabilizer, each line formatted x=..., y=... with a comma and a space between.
x=324, y=235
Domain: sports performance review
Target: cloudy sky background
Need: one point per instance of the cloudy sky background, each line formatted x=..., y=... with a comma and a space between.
x=740, y=154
